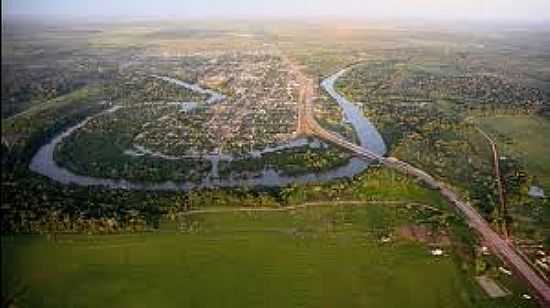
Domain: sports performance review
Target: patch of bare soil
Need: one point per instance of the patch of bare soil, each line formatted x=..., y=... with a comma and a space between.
x=420, y=233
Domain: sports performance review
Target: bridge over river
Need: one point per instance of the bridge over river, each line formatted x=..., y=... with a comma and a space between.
x=504, y=249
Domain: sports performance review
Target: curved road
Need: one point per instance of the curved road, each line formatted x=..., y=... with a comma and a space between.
x=505, y=250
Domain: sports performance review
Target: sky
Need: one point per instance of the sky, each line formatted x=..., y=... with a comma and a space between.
x=527, y=10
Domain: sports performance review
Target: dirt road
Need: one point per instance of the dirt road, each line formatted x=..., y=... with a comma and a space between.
x=498, y=177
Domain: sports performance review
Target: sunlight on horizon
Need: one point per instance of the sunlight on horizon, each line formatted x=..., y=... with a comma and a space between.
x=528, y=10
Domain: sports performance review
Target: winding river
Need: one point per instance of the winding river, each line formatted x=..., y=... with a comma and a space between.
x=368, y=135
x=43, y=162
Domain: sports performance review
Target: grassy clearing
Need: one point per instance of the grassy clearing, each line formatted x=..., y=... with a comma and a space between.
x=25, y=132
x=528, y=138
x=80, y=96
x=328, y=256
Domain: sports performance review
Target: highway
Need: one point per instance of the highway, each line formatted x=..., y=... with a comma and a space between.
x=502, y=248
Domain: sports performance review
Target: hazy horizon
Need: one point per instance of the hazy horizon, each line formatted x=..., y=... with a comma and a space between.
x=532, y=11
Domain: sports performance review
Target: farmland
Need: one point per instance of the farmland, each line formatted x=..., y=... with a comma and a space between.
x=267, y=259
x=524, y=138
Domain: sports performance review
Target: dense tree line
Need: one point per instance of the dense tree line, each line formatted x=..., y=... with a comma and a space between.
x=289, y=162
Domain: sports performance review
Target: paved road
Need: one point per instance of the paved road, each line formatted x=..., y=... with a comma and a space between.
x=505, y=250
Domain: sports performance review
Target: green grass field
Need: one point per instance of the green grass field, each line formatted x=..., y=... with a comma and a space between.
x=317, y=257
x=527, y=137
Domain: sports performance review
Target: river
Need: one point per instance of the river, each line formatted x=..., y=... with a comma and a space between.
x=43, y=162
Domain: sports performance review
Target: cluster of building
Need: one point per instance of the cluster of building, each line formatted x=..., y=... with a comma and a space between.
x=388, y=81
x=260, y=109
x=484, y=89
